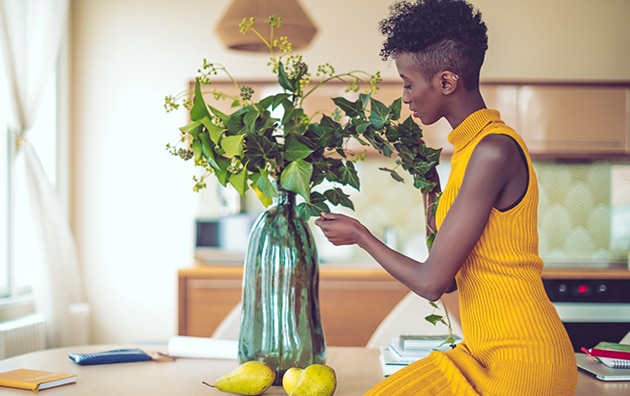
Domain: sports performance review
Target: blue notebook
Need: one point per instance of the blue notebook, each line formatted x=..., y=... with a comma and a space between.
x=109, y=357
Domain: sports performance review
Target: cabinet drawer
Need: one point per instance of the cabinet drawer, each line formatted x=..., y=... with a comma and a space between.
x=352, y=310
x=353, y=302
x=574, y=119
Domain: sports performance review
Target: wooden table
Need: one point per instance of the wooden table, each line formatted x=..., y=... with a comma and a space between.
x=357, y=370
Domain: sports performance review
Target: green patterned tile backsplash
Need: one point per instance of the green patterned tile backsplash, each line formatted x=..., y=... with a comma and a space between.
x=574, y=212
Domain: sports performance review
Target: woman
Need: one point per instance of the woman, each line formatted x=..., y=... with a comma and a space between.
x=487, y=242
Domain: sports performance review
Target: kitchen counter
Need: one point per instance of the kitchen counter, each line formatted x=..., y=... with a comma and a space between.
x=583, y=272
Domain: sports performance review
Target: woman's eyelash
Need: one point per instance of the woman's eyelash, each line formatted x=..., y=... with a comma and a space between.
x=407, y=86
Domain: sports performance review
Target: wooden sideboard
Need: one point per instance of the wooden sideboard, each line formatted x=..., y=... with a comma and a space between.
x=353, y=300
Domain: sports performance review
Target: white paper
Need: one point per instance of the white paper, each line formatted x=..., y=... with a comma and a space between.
x=202, y=347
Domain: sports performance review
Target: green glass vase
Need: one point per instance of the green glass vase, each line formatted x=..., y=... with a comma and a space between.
x=280, y=318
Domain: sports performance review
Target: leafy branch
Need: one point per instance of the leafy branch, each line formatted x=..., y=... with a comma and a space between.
x=252, y=147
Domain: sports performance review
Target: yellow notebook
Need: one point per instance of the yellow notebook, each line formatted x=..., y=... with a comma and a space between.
x=35, y=380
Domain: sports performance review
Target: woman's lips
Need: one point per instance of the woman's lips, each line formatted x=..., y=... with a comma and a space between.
x=415, y=114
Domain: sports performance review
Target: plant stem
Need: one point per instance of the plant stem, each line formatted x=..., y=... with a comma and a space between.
x=448, y=319
x=352, y=74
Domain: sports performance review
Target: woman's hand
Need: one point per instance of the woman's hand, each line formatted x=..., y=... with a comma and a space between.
x=340, y=229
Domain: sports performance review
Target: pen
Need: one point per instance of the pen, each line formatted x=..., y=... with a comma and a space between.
x=590, y=356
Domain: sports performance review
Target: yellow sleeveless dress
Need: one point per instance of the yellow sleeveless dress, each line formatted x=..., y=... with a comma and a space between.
x=514, y=342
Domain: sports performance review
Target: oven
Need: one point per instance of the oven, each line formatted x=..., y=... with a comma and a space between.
x=593, y=306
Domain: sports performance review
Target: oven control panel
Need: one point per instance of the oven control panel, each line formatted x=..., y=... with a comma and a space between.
x=588, y=290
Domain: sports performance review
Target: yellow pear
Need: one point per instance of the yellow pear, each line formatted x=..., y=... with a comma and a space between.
x=316, y=380
x=250, y=378
x=290, y=378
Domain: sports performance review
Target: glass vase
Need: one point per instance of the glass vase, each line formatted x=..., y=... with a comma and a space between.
x=280, y=317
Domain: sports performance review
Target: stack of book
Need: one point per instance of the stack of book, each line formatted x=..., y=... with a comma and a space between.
x=612, y=354
x=405, y=349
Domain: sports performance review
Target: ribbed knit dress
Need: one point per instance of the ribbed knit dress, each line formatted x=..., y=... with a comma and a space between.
x=514, y=342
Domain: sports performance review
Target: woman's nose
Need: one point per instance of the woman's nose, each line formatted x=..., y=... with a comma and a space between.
x=406, y=98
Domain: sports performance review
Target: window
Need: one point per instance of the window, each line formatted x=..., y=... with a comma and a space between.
x=5, y=274
x=20, y=242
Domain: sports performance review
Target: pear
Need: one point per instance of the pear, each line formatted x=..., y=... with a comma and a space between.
x=316, y=380
x=290, y=378
x=250, y=378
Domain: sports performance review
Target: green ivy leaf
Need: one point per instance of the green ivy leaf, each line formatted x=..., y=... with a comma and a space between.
x=233, y=145
x=264, y=185
x=379, y=114
x=424, y=185
x=250, y=117
x=364, y=99
x=314, y=207
x=221, y=172
x=284, y=80
x=349, y=175
x=431, y=154
x=273, y=101
x=235, y=124
x=336, y=196
x=197, y=150
x=361, y=125
x=296, y=177
x=259, y=149
x=329, y=132
x=410, y=128
x=433, y=319
x=382, y=145
x=352, y=109
x=199, y=109
x=394, y=135
x=239, y=181
x=192, y=128
x=214, y=130
x=395, y=109
x=208, y=150
x=294, y=149
x=393, y=174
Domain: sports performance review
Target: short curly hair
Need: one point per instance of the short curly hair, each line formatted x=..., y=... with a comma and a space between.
x=442, y=34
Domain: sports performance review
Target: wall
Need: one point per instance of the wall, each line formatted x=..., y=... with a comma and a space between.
x=132, y=207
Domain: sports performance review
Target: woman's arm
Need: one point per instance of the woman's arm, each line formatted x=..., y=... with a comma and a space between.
x=492, y=165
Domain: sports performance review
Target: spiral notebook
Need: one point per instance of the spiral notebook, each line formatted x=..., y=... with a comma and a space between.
x=615, y=363
x=600, y=370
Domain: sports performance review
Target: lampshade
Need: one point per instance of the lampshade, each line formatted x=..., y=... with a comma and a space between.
x=296, y=24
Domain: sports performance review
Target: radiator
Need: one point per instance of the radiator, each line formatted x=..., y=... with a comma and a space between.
x=22, y=335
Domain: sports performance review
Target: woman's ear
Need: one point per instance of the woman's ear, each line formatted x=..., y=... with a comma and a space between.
x=448, y=81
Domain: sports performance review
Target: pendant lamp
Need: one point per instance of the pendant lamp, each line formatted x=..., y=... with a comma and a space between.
x=296, y=24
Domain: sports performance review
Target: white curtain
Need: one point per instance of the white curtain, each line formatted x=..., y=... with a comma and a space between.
x=31, y=33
